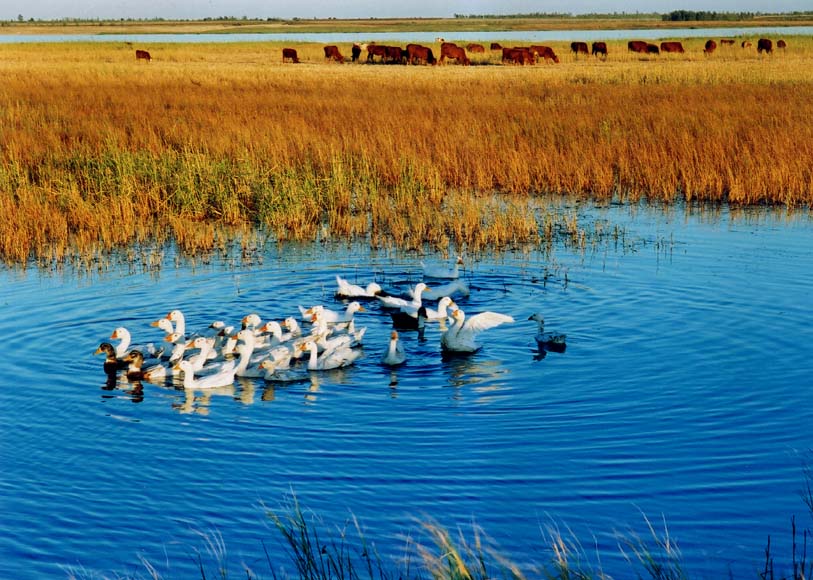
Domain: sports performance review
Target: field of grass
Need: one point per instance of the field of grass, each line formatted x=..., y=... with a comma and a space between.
x=98, y=150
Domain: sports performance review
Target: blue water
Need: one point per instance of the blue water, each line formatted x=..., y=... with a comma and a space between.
x=334, y=37
x=683, y=396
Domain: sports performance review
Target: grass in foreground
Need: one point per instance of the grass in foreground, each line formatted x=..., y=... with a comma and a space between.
x=312, y=553
x=99, y=151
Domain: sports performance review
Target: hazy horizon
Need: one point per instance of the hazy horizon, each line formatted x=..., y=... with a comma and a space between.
x=307, y=9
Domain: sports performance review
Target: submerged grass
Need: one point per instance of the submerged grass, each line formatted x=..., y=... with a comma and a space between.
x=99, y=151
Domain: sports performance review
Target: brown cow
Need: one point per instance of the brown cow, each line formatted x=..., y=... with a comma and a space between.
x=746, y=44
x=451, y=50
x=143, y=55
x=332, y=53
x=289, y=54
x=764, y=44
x=496, y=46
x=724, y=41
x=374, y=50
x=475, y=48
x=518, y=55
x=637, y=46
x=652, y=49
x=599, y=48
x=781, y=44
x=396, y=55
x=544, y=52
x=355, y=52
x=671, y=47
x=417, y=53
x=710, y=47
x=579, y=48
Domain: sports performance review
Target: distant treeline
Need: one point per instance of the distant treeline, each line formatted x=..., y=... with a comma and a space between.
x=675, y=15
x=562, y=15
x=691, y=15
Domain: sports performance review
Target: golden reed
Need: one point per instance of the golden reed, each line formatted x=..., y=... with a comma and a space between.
x=101, y=150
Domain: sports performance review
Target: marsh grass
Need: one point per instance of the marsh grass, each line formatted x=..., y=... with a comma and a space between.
x=99, y=151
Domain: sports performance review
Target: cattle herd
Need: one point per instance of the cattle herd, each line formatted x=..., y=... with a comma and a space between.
x=418, y=54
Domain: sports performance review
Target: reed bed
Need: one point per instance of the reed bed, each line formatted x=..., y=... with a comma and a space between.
x=99, y=150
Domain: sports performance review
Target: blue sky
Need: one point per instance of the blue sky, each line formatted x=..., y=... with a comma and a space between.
x=194, y=9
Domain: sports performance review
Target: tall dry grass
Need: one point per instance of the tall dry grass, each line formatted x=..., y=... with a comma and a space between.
x=101, y=150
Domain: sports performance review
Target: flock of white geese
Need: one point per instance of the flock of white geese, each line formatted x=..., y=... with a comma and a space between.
x=318, y=339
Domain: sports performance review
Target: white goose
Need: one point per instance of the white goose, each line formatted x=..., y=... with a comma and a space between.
x=395, y=354
x=334, y=359
x=398, y=303
x=222, y=378
x=438, y=292
x=348, y=290
x=462, y=334
x=433, y=271
x=445, y=307
x=124, y=346
x=177, y=317
x=293, y=326
x=332, y=317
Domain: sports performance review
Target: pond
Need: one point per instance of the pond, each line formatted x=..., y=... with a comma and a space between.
x=683, y=396
x=459, y=36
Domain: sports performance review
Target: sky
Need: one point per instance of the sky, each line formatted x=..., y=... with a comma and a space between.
x=198, y=9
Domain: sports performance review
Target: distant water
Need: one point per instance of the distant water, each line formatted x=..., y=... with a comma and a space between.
x=684, y=395
x=343, y=37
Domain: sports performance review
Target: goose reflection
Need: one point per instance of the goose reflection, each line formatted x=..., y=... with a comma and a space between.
x=199, y=401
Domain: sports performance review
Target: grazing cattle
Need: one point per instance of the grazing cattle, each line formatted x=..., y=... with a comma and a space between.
x=396, y=55
x=544, y=52
x=289, y=54
x=637, y=46
x=599, y=48
x=451, y=50
x=671, y=47
x=374, y=50
x=475, y=48
x=652, y=49
x=518, y=55
x=496, y=46
x=332, y=53
x=355, y=52
x=578, y=48
x=440, y=39
x=710, y=47
x=417, y=53
x=746, y=44
x=764, y=44
x=143, y=55
x=781, y=44
x=724, y=41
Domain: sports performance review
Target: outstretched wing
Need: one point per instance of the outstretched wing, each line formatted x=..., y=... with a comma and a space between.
x=485, y=320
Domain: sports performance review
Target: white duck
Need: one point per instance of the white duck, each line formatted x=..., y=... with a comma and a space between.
x=222, y=378
x=438, y=292
x=462, y=334
x=395, y=354
x=433, y=271
x=334, y=359
x=398, y=303
x=348, y=290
